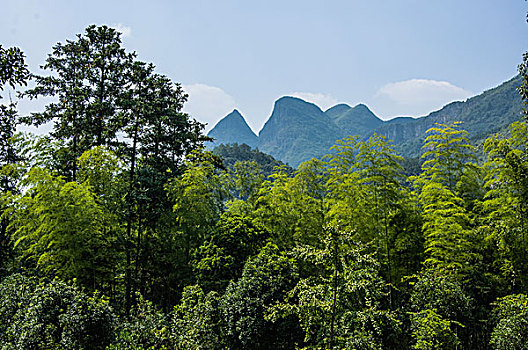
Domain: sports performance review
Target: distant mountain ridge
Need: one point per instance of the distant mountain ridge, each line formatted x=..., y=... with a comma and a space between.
x=358, y=120
x=298, y=130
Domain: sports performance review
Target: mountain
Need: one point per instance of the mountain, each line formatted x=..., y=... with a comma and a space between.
x=337, y=110
x=481, y=115
x=354, y=121
x=297, y=131
x=232, y=129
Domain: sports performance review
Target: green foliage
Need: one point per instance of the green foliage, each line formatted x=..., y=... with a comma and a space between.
x=55, y=316
x=222, y=258
x=265, y=279
x=440, y=309
x=447, y=152
x=366, y=196
x=13, y=69
x=338, y=299
x=445, y=224
x=431, y=331
x=446, y=221
x=198, y=197
x=15, y=295
x=293, y=209
x=365, y=172
x=196, y=322
x=13, y=72
x=145, y=329
x=511, y=323
x=88, y=79
x=505, y=208
x=247, y=177
x=233, y=153
x=436, y=289
x=59, y=226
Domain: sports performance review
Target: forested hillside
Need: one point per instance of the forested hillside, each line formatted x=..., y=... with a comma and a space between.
x=119, y=230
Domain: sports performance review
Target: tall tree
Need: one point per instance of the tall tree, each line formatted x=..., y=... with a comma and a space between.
x=59, y=228
x=446, y=220
x=337, y=299
x=13, y=72
x=367, y=197
x=106, y=98
x=293, y=208
x=88, y=78
x=505, y=207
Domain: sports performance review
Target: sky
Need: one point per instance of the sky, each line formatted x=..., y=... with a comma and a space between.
x=400, y=58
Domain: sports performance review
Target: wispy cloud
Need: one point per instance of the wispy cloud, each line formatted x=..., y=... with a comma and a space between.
x=418, y=97
x=324, y=101
x=207, y=104
x=125, y=31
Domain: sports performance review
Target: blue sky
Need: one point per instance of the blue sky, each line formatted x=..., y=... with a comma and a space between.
x=405, y=57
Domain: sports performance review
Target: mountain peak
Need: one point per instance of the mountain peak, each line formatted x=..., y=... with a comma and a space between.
x=285, y=99
x=296, y=131
x=337, y=110
x=234, y=115
x=287, y=104
x=361, y=106
x=358, y=120
x=233, y=128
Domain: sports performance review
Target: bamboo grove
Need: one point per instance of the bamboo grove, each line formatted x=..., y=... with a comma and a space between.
x=120, y=231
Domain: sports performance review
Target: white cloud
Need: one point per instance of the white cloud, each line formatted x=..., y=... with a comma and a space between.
x=125, y=31
x=417, y=97
x=207, y=104
x=324, y=101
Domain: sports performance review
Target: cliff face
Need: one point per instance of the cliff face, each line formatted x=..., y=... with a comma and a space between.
x=481, y=116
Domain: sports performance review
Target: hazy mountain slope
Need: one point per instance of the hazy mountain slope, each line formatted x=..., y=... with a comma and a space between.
x=481, y=116
x=297, y=131
x=337, y=110
x=232, y=129
x=357, y=121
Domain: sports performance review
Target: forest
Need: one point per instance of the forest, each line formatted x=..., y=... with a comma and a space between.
x=119, y=230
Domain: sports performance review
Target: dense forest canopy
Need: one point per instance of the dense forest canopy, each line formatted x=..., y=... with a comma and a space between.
x=119, y=230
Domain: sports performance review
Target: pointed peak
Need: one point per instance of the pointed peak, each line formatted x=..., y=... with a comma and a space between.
x=233, y=118
x=233, y=128
x=234, y=113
